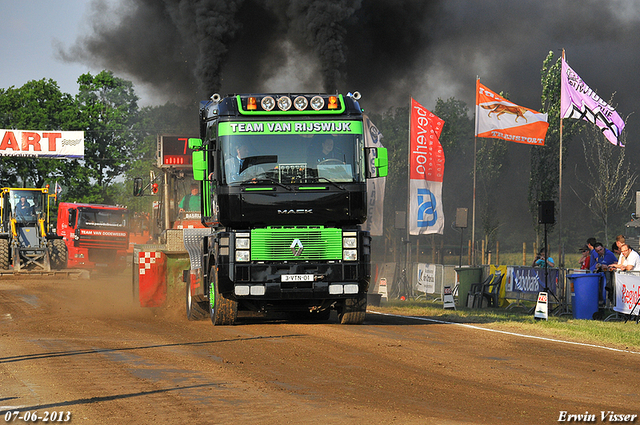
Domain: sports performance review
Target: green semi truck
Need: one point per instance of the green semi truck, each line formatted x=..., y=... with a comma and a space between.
x=283, y=182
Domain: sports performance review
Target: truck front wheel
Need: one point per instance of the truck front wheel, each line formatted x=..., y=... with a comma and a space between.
x=353, y=310
x=58, y=254
x=223, y=311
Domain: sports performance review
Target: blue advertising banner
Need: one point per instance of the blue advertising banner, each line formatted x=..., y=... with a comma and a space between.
x=532, y=279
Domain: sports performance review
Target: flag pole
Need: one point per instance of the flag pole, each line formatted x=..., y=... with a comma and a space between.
x=408, y=217
x=473, y=204
x=560, y=245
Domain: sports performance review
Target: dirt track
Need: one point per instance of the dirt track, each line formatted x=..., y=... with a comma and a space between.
x=84, y=347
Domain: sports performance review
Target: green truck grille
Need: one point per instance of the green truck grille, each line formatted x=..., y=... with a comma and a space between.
x=274, y=244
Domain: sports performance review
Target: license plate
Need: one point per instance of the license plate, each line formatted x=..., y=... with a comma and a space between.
x=296, y=278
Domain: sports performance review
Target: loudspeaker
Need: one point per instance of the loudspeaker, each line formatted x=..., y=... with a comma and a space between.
x=462, y=217
x=546, y=212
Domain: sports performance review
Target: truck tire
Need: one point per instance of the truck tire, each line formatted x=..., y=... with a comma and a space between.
x=353, y=310
x=223, y=311
x=58, y=254
x=5, y=255
x=195, y=310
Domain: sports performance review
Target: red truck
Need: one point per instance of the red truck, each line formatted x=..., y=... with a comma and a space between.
x=97, y=236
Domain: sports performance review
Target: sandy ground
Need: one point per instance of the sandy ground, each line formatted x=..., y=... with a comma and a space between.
x=84, y=347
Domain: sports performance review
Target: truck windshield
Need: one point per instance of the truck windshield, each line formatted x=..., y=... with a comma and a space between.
x=26, y=205
x=102, y=218
x=292, y=158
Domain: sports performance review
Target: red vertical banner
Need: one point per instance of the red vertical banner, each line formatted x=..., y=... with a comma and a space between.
x=426, y=165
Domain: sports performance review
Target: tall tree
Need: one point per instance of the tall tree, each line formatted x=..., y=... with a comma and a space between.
x=610, y=179
x=491, y=157
x=108, y=112
x=545, y=160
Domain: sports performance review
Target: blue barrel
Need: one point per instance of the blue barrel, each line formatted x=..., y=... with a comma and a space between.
x=584, y=300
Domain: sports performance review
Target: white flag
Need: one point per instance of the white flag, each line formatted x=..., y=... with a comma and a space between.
x=375, y=187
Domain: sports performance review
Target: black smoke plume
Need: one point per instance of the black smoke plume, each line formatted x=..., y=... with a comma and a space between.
x=389, y=50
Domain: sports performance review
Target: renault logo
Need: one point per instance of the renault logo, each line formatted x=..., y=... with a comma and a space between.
x=296, y=247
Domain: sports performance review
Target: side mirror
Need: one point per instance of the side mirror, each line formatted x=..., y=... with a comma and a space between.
x=195, y=144
x=377, y=162
x=382, y=162
x=138, y=186
x=199, y=165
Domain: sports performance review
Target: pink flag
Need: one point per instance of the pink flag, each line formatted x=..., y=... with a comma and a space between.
x=578, y=101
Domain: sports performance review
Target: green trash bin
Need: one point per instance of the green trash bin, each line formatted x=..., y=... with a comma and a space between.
x=466, y=277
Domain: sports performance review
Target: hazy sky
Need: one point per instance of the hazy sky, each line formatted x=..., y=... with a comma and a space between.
x=29, y=31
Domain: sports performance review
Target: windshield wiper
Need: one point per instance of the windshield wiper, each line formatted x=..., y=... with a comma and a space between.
x=331, y=182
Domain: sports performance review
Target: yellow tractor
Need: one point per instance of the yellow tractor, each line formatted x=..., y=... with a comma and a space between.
x=25, y=243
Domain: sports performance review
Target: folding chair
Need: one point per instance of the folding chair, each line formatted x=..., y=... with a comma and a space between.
x=474, y=296
x=491, y=292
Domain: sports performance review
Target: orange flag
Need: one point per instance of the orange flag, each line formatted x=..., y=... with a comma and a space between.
x=498, y=118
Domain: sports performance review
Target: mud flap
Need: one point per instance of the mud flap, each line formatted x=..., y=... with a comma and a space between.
x=152, y=278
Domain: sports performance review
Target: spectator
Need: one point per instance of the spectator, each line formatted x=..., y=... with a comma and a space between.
x=629, y=260
x=615, y=248
x=603, y=259
x=191, y=201
x=586, y=258
x=539, y=261
x=590, y=244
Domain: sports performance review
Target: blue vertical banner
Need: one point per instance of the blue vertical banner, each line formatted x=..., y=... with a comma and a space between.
x=426, y=172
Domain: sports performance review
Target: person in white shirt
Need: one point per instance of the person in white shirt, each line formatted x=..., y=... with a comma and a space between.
x=629, y=259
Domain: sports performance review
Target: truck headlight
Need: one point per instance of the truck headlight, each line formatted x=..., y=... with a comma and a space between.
x=349, y=254
x=242, y=256
x=243, y=243
x=350, y=242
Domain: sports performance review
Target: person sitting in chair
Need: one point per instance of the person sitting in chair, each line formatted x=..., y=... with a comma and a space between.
x=326, y=153
x=24, y=209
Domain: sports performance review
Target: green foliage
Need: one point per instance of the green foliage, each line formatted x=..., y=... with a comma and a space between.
x=457, y=132
x=108, y=110
x=545, y=160
x=120, y=138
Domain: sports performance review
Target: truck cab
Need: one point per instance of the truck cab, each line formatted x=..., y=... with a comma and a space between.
x=97, y=236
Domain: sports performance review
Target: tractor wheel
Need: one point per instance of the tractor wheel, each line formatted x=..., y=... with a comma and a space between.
x=353, y=310
x=5, y=254
x=223, y=311
x=195, y=310
x=58, y=254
